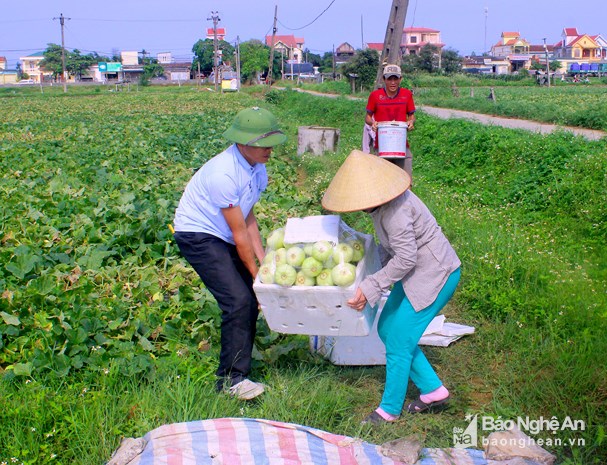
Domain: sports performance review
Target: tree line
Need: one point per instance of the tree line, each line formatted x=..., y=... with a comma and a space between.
x=255, y=56
x=254, y=60
x=77, y=64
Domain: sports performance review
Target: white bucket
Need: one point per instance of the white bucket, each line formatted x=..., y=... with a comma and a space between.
x=392, y=139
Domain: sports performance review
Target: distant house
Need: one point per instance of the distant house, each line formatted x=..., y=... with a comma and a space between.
x=541, y=52
x=378, y=46
x=518, y=52
x=344, y=53
x=485, y=65
x=582, y=47
x=511, y=43
x=164, y=58
x=221, y=33
x=602, y=43
x=290, y=46
x=413, y=40
x=129, y=58
x=174, y=71
x=131, y=69
x=30, y=65
x=178, y=72
x=8, y=76
x=299, y=70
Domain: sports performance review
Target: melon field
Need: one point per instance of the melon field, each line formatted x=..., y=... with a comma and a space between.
x=107, y=333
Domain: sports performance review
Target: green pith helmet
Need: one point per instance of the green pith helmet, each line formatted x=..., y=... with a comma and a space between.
x=255, y=127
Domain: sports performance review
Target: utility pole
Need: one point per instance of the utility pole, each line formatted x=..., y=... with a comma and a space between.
x=238, y=61
x=334, y=74
x=547, y=62
x=391, y=53
x=362, y=36
x=62, y=23
x=215, y=18
x=269, y=76
x=485, y=43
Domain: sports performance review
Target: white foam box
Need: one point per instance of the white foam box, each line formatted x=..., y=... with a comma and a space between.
x=319, y=310
x=370, y=350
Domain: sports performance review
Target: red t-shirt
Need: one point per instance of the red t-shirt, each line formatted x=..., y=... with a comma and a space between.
x=384, y=108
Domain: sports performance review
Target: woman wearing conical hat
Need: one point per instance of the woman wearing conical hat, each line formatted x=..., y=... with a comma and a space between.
x=419, y=265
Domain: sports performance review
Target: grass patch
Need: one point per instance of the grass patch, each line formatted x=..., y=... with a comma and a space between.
x=563, y=104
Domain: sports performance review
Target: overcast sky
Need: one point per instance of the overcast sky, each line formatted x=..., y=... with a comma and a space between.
x=107, y=26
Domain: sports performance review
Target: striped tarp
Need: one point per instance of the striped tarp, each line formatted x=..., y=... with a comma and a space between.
x=246, y=441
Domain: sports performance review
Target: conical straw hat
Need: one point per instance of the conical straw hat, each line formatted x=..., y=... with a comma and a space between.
x=364, y=181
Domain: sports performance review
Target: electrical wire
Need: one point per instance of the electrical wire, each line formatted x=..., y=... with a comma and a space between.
x=21, y=50
x=110, y=20
x=414, y=11
x=310, y=23
x=140, y=20
x=22, y=20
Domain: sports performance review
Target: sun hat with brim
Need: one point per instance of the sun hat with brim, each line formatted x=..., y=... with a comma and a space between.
x=255, y=127
x=364, y=181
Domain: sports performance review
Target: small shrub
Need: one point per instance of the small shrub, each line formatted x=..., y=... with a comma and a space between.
x=275, y=97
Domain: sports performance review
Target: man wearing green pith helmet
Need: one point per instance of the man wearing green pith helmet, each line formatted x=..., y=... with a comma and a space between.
x=217, y=233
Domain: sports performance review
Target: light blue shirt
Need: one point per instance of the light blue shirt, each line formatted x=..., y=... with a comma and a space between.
x=226, y=180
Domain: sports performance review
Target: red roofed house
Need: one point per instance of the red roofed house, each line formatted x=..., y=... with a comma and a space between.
x=511, y=43
x=290, y=46
x=221, y=33
x=580, y=46
x=379, y=46
x=414, y=38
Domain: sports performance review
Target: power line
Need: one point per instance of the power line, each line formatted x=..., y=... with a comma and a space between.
x=310, y=23
x=22, y=20
x=140, y=20
x=108, y=20
x=414, y=11
x=23, y=50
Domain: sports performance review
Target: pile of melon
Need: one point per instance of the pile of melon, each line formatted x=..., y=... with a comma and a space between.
x=317, y=263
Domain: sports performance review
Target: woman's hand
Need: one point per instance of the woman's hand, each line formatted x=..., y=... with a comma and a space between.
x=359, y=300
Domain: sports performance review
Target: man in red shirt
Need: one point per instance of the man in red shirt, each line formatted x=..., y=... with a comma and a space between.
x=392, y=103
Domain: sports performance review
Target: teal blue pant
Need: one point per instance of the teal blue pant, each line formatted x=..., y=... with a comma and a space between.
x=400, y=328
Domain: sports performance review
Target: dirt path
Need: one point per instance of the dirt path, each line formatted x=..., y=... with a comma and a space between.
x=512, y=123
x=533, y=126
